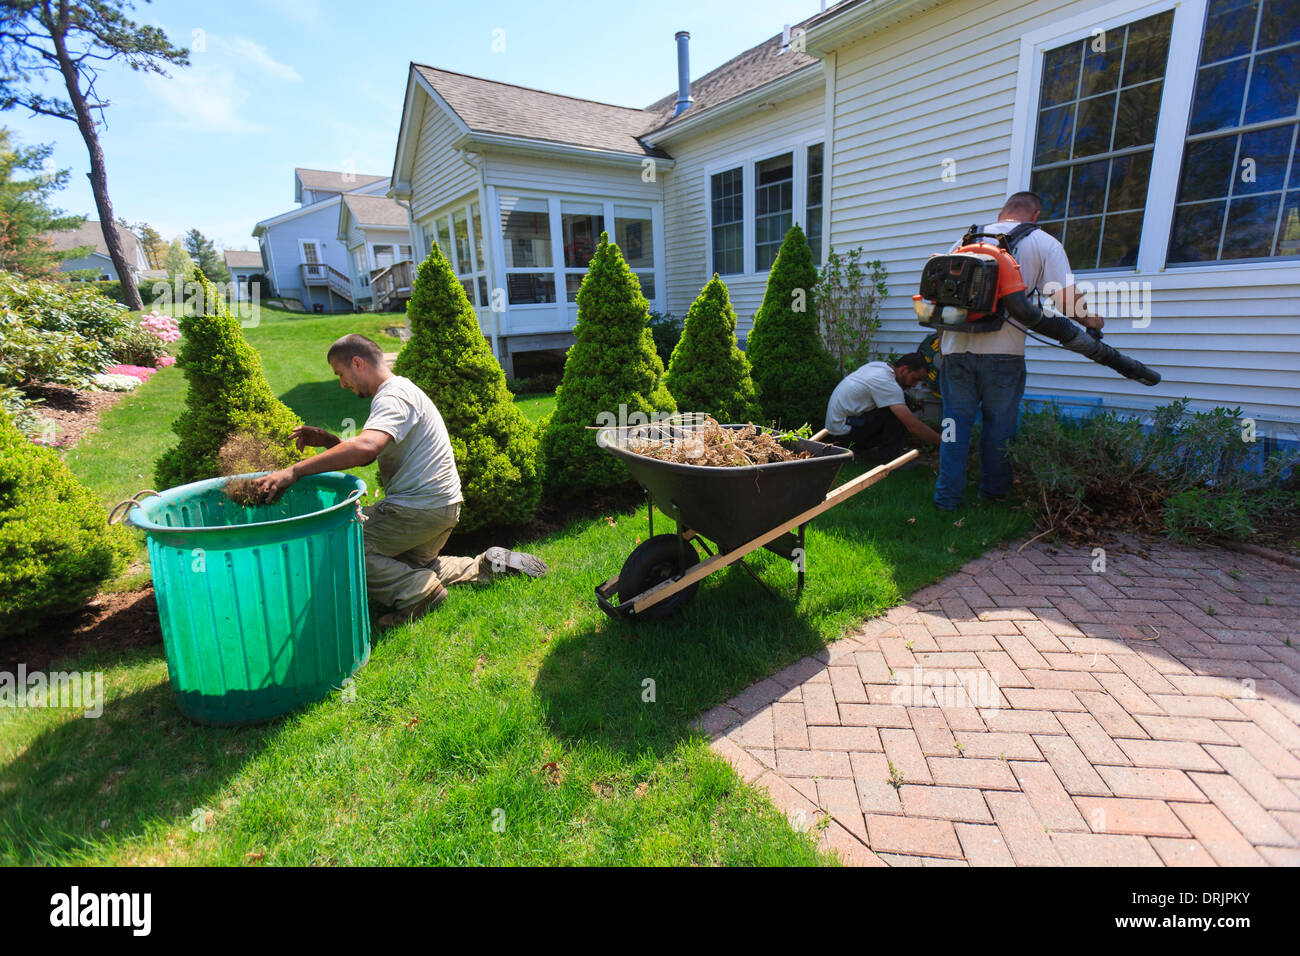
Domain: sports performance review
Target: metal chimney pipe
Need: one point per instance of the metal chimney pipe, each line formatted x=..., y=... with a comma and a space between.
x=683, y=73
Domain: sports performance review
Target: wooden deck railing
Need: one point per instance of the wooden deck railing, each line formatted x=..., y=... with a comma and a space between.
x=391, y=284
x=319, y=273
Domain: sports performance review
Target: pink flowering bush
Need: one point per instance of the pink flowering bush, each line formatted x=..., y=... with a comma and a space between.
x=135, y=371
x=163, y=326
x=166, y=360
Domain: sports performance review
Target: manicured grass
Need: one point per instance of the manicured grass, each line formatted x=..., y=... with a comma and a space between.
x=514, y=725
x=457, y=716
x=536, y=407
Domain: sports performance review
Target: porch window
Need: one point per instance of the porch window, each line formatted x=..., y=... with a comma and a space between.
x=813, y=202
x=444, y=236
x=1239, y=195
x=728, y=202
x=526, y=235
x=634, y=234
x=773, y=207
x=403, y=253
x=1097, y=111
x=359, y=262
x=426, y=236
x=383, y=256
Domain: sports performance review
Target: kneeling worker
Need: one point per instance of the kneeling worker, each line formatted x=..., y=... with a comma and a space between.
x=405, y=532
x=868, y=412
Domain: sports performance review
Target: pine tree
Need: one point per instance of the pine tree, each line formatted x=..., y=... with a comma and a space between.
x=794, y=373
x=612, y=363
x=494, y=443
x=227, y=394
x=708, y=372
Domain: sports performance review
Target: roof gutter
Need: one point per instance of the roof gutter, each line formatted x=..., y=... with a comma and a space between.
x=532, y=147
x=803, y=80
x=840, y=29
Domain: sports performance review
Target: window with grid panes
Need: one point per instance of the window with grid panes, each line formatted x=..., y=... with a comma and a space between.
x=1097, y=111
x=773, y=207
x=813, y=202
x=727, y=195
x=1239, y=191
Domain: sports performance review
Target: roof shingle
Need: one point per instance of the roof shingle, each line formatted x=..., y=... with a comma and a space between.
x=377, y=211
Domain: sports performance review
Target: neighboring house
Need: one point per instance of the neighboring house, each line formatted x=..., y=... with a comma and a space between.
x=241, y=265
x=304, y=257
x=377, y=234
x=90, y=234
x=893, y=125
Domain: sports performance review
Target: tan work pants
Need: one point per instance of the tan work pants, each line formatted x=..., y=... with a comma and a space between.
x=403, y=563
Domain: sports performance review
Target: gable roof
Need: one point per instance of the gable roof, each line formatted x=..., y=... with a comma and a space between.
x=326, y=180
x=488, y=106
x=241, y=259
x=90, y=234
x=377, y=211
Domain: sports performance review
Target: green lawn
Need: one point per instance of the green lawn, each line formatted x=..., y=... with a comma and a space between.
x=509, y=727
x=536, y=407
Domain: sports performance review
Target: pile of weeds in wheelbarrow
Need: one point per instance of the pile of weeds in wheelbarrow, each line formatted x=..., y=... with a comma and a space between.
x=707, y=443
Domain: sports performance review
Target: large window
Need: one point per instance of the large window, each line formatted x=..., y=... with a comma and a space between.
x=634, y=234
x=727, y=191
x=526, y=231
x=1097, y=110
x=1239, y=193
x=813, y=202
x=581, y=224
x=459, y=236
x=773, y=207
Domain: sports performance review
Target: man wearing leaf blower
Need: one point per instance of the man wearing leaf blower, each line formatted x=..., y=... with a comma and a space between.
x=985, y=373
x=406, y=531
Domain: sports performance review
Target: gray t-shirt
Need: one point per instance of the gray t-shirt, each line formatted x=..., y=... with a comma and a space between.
x=417, y=468
x=871, y=386
x=1043, y=265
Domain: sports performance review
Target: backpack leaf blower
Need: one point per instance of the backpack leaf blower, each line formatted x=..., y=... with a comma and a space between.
x=977, y=287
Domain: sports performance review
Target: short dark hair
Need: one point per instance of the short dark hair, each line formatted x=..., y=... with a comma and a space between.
x=1024, y=203
x=350, y=346
x=912, y=360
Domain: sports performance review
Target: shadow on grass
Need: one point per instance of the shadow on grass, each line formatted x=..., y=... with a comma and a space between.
x=326, y=404
x=139, y=766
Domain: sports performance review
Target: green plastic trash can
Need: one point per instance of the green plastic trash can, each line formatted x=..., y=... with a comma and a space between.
x=264, y=608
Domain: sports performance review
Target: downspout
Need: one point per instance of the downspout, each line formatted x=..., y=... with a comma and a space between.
x=410, y=231
x=480, y=165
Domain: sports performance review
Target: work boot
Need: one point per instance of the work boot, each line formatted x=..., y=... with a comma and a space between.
x=503, y=562
x=418, y=609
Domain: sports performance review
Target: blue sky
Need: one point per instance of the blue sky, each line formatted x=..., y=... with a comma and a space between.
x=276, y=84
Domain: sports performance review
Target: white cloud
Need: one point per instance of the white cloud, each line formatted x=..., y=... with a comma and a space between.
x=306, y=12
x=204, y=96
x=256, y=54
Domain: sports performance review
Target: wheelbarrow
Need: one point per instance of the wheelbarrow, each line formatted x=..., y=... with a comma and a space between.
x=739, y=509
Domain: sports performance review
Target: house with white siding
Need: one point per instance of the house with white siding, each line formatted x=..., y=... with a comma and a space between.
x=1162, y=136
x=304, y=256
x=242, y=265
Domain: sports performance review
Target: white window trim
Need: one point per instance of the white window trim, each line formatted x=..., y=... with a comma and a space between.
x=1171, y=128
x=565, y=310
x=798, y=198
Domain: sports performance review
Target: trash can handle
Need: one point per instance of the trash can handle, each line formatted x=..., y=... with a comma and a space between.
x=126, y=506
x=356, y=496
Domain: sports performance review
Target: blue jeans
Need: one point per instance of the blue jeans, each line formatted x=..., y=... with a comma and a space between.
x=991, y=385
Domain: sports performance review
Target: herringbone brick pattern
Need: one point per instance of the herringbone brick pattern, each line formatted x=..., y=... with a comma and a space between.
x=1033, y=711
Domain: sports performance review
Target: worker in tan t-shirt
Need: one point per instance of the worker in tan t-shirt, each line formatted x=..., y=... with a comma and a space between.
x=407, y=529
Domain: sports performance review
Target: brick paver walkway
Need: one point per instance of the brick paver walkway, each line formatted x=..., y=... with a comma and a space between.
x=1032, y=711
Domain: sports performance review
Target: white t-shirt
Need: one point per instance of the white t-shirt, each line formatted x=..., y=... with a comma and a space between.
x=1042, y=262
x=417, y=468
x=869, y=387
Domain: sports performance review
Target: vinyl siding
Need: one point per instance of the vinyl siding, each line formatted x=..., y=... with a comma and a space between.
x=906, y=98
x=686, y=231
x=440, y=175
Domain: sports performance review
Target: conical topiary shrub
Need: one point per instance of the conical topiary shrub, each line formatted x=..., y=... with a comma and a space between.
x=227, y=394
x=494, y=443
x=709, y=373
x=612, y=375
x=56, y=546
x=794, y=373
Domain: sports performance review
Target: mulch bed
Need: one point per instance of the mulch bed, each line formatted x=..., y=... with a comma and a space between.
x=110, y=624
x=73, y=411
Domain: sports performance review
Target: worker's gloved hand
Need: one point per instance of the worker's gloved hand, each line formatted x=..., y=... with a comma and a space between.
x=504, y=561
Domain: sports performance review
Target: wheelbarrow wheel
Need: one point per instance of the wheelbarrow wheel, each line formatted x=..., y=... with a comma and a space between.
x=656, y=560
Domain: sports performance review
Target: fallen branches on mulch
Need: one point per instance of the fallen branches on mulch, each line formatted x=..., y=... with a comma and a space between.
x=709, y=444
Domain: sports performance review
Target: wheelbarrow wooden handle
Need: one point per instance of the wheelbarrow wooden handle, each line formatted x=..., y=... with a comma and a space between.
x=820, y=435
x=844, y=492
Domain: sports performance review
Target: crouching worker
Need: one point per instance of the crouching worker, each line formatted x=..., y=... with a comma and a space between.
x=406, y=531
x=868, y=412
